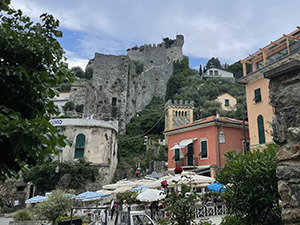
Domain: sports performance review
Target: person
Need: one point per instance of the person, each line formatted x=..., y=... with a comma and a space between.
x=102, y=217
x=112, y=208
x=137, y=173
x=125, y=206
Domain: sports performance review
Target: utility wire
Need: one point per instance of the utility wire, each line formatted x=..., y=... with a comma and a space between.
x=163, y=113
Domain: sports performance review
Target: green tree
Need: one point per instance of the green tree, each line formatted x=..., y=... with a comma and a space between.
x=181, y=204
x=31, y=66
x=57, y=204
x=78, y=72
x=252, y=192
x=200, y=70
x=46, y=178
x=213, y=62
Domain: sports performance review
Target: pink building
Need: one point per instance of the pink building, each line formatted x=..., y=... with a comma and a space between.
x=201, y=145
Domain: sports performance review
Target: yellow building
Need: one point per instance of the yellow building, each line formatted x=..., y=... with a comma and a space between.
x=260, y=112
x=228, y=102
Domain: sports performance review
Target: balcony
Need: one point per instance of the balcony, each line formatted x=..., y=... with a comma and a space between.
x=187, y=162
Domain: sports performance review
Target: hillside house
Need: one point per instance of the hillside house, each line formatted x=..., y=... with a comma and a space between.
x=228, y=102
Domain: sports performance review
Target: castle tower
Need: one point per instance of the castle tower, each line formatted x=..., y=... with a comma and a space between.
x=178, y=113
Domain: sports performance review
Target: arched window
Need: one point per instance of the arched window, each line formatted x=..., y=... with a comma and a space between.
x=261, y=129
x=175, y=113
x=79, y=147
x=185, y=113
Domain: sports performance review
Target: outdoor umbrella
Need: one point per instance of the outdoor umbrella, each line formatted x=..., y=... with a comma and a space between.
x=139, y=188
x=36, y=199
x=90, y=196
x=151, y=195
x=216, y=187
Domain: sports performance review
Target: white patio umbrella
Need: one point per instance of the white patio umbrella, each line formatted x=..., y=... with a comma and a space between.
x=151, y=195
x=189, y=178
x=122, y=189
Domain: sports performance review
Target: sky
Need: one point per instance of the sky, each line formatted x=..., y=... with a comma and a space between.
x=227, y=29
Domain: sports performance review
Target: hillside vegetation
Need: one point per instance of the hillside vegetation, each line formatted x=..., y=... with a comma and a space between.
x=185, y=84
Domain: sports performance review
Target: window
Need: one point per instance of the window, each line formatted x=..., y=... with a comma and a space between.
x=216, y=73
x=114, y=101
x=100, y=88
x=257, y=95
x=79, y=147
x=211, y=72
x=226, y=102
x=176, y=155
x=261, y=129
x=203, y=153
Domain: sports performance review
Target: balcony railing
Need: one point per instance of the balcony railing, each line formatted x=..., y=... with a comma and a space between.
x=186, y=161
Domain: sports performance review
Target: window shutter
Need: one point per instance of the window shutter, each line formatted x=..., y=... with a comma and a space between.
x=261, y=129
x=79, y=146
x=203, y=149
x=257, y=95
x=176, y=156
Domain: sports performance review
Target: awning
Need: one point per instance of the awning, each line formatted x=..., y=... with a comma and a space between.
x=176, y=146
x=186, y=142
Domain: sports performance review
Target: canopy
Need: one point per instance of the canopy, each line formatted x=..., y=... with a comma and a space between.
x=121, y=183
x=36, y=199
x=151, y=195
x=176, y=146
x=186, y=142
x=122, y=189
x=89, y=196
x=139, y=188
x=189, y=178
x=216, y=187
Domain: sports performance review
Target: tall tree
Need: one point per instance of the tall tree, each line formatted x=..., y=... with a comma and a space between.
x=31, y=66
x=213, y=62
x=200, y=70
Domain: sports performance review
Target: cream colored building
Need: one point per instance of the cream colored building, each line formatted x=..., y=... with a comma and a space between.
x=228, y=102
x=94, y=140
x=260, y=112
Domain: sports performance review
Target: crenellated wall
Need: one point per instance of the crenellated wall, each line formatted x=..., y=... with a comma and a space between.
x=123, y=85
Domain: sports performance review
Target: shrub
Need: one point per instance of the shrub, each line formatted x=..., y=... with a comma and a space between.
x=69, y=106
x=253, y=191
x=79, y=108
x=22, y=215
x=232, y=220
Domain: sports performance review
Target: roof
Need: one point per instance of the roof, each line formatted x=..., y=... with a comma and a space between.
x=210, y=121
x=225, y=94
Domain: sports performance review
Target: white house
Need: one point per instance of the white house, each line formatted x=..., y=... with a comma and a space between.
x=217, y=73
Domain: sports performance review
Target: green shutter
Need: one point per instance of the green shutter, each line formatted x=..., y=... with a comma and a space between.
x=79, y=146
x=176, y=156
x=203, y=149
x=226, y=102
x=261, y=130
x=257, y=95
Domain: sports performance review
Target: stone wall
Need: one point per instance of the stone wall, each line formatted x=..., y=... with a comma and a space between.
x=123, y=85
x=285, y=98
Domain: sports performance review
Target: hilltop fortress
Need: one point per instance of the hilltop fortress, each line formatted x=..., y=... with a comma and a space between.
x=123, y=85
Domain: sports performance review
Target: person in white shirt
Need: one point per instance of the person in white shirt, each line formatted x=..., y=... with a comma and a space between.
x=102, y=217
x=125, y=206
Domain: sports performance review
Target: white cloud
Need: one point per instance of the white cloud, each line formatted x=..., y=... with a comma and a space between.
x=73, y=60
x=227, y=29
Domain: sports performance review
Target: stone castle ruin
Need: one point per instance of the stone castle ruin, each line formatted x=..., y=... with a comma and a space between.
x=123, y=85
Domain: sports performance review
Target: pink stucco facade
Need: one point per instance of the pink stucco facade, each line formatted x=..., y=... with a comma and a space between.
x=206, y=130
